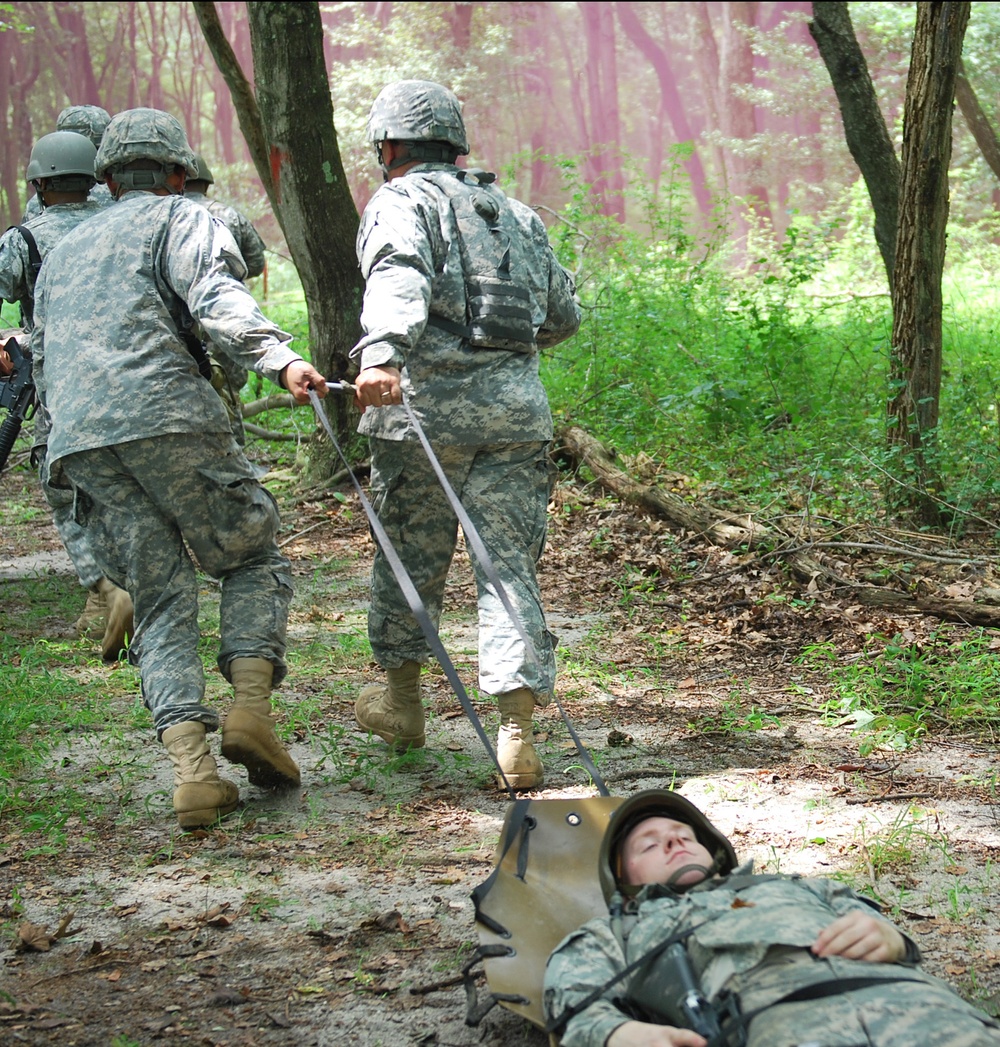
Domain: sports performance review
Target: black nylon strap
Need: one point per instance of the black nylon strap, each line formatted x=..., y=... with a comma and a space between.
x=34, y=265
x=409, y=591
x=476, y=544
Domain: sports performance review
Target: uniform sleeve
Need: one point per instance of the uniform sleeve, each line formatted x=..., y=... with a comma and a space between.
x=13, y=271
x=562, y=320
x=583, y=962
x=251, y=245
x=562, y=315
x=397, y=262
x=843, y=900
x=193, y=262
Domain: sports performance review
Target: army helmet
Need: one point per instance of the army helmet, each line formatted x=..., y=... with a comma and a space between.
x=662, y=803
x=88, y=120
x=204, y=171
x=61, y=153
x=417, y=111
x=145, y=134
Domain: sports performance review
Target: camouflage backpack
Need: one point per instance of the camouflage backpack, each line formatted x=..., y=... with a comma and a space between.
x=497, y=306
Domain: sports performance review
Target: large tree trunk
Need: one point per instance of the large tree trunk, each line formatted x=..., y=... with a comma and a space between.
x=288, y=125
x=864, y=126
x=920, y=245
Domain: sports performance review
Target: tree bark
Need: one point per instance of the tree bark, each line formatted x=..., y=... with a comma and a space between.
x=978, y=121
x=864, y=126
x=915, y=366
x=288, y=125
x=605, y=161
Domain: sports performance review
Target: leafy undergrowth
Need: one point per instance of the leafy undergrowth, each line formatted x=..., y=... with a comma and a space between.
x=310, y=918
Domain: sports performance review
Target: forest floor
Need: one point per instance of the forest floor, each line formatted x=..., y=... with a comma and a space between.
x=309, y=919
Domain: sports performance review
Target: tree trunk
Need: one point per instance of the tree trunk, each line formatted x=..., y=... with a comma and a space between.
x=978, y=121
x=289, y=128
x=671, y=104
x=739, y=117
x=605, y=165
x=864, y=126
x=915, y=372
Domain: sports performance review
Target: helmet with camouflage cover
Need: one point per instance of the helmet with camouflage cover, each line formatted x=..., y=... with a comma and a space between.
x=64, y=155
x=658, y=803
x=91, y=121
x=144, y=134
x=418, y=111
x=204, y=171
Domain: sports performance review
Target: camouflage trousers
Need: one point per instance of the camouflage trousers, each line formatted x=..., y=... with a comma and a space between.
x=144, y=504
x=504, y=489
x=896, y=1014
x=73, y=536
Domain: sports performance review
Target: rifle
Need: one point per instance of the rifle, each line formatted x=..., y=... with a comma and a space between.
x=668, y=991
x=17, y=394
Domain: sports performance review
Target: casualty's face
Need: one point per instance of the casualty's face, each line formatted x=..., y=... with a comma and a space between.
x=658, y=848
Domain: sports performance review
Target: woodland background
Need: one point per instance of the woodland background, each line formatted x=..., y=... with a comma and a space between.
x=618, y=84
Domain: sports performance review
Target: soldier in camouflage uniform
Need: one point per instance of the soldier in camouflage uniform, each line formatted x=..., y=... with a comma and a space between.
x=227, y=378
x=462, y=290
x=61, y=169
x=145, y=443
x=89, y=121
x=247, y=238
x=757, y=939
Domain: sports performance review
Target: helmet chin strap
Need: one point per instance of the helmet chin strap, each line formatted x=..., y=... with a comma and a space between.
x=707, y=873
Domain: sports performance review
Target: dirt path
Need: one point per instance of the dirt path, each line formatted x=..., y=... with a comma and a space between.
x=308, y=919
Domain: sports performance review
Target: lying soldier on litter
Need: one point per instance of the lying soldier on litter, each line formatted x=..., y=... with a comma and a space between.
x=697, y=951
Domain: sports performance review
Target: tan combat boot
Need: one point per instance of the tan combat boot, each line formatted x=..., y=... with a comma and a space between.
x=515, y=742
x=200, y=795
x=119, y=623
x=393, y=710
x=248, y=735
x=90, y=624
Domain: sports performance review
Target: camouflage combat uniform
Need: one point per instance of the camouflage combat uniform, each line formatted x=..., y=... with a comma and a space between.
x=753, y=938
x=228, y=378
x=247, y=238
x=145, y=441
x=17, y=284
x=100, y=194
x=485, y=412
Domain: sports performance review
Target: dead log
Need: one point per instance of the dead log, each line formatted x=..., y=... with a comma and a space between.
x=736, y=529
x=724, y=529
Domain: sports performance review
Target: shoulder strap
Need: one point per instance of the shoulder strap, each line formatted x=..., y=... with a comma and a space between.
x=34, y=256
x=34, y=266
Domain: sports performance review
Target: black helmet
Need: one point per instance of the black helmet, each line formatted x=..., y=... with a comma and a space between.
x=661, y=803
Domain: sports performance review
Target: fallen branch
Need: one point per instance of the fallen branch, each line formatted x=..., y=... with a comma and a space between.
x=270, y=434
x=742, y=529
x=268, y=403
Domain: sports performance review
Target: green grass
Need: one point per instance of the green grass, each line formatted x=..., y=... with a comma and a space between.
x=902, y=690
